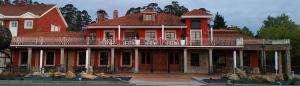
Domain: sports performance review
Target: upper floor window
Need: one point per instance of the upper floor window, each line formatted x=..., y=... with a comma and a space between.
x=148, y=17
x=1, y=23
x=14, y=24
x=196, y=24
x=150, y=35
x=54, y=28
x=109, y=35
x=170, y=35
x=28, y=24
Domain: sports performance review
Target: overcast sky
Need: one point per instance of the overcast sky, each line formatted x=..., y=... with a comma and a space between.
x=250, y=13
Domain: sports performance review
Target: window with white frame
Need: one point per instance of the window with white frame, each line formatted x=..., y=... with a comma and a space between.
x=54, y=28
x=170, y=35
x=14, y=24
x=148, y=17
x=28, y=24
x=196, y=37
x=150, y=35
x=1, y=23
x=109, y=35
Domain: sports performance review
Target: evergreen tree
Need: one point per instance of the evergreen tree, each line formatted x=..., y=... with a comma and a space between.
x=219, y=22
x=176, y=9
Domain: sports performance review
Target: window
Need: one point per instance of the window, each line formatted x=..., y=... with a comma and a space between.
x=196, y=37
x=54, y=28
x=81, y=58
x=148, y=17
x=92, y=38
x=170, y=35
x=129, y=35
x=150, y=35
x=194, y=59
x=14, y=24
x=196, y=24
x=173, y=58
x=104, y=58
x=109, y=35
x=24, y=58
x=28, y=24
x=126, y=59
x=146, y=57
x=1, y=23
x=49, y=58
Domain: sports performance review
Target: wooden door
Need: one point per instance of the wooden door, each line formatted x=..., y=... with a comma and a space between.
x=173, y=62
x=160, y=62
x=146, y=62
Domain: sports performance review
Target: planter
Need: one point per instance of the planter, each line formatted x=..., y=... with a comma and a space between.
x=137, y=42
x=182, y=42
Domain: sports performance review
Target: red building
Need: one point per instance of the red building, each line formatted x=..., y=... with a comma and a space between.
x=146, y=42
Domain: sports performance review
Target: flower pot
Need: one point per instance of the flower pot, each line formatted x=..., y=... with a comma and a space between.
x=137, y=42
x=182, y=42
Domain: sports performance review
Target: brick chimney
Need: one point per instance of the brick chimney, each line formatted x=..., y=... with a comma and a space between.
x=115, y=14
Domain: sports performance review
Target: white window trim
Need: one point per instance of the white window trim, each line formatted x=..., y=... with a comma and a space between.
x=201, y=38
x=1, y=23
x=130, y=59
x=25, y=24
x=45, y=55
x=78, y=58
x=108, y=59
x=20, y=55
x=54, y=27
x=104, y=37
x=165, y=33
x=11, y=23
x=127, y=31
x=150, y=31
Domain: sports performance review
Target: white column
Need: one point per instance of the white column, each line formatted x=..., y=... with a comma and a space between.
x=29, y=56
x=234, y=61
x=136, y=55
x=119, y=32
x=87, y=59
x=162, y=32
x=41, y=61
x=112, y=59
x=210, y=61
x=276, y=61
x=185, y=60
x=241, y=59
x=62, y=57
x=211, y=35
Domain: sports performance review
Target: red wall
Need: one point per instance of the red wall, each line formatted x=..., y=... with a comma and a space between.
x=16, y=58
x=204, y=27
x=253, y=59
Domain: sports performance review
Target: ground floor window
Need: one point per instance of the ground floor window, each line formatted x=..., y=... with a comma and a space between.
x=146, y=57
x=24, y=58
x=173, y=58
x=49, y=58
x=194, y=59
x=103, y=58
x=81, y=58
x=126, y=59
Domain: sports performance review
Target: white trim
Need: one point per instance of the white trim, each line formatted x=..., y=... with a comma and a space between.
x=77, y=62
x=48, y=11
x=119, y=32
x=162, y=32
x=196, y=16
x=150, y=31
x=201, y=38
x=99, y=60
x=62, y=17
x=1, y=23
x=45, y=62
x=1, y=15
x=104, y=37
x=134, y=27
x=28, y=15
x=122, y=59
x=25, y=24
x=170, y=31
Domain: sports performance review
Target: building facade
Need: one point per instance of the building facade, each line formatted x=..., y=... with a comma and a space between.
x=146, y=42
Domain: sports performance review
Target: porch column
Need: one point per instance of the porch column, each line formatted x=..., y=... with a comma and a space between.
x=112, y=59
x=241, y=59
x=62, y=58
x=87, y=59
x=263, y=63
x=136, y=55
x=288, y=61
x=234, y=61
x=185, y=60
x=29, y=56
x=280, y=62
x=211, y=69
x=162, y=32
x=119, y=32
x=41, y=61
x=276, y=61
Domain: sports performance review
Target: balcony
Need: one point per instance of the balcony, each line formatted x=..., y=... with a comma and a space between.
x=68, y=41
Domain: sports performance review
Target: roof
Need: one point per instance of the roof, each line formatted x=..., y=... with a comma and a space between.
x=224, y=33
x=17, y=10
x=197, y=12
x=136, y=19
x=53, y=34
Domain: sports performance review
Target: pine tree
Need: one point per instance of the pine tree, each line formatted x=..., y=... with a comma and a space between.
x=219, y=22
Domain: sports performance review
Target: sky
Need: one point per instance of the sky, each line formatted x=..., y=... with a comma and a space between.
x=249, y=13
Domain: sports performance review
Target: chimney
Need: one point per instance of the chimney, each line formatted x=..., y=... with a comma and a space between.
x=115, y=14
x=100, y=16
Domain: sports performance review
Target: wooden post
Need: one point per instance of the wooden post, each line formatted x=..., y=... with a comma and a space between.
x=288, y=61
x=62, y=58
x=29, y=57
x=280, y=62
x=185, y=60
x=241, y=59
x=211, y=69
x=136, y=55
x=112, y=59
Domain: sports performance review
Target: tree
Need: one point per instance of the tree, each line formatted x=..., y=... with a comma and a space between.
x=102, y=15
x=219, y=22
x=153, y=6
x=282, y=27
x=1, y=2
x=245, y=30
x=7, y=2
x=175, y=8
x=5, y=37
x=133, y=10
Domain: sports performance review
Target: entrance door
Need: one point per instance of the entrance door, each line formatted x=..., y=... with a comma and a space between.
x=13, y=27
x=160, y=62
x=196, y=37
x=174, y=63
x=146, y=62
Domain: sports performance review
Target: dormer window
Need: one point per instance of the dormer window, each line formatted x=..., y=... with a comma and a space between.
x=196, y=24
x=148, y=17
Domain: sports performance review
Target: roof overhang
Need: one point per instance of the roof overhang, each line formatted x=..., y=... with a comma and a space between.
x=207, y=16
x=25, y=15
x=134, y=27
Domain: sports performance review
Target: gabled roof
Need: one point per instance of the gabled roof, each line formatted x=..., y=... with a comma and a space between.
x=18, y=10
x=197, y=13
x=136, y=19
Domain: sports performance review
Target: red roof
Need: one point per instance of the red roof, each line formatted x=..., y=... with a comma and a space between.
x=54, y=34
x=17, y=10
x=223, y=33
x=137, y=20
x=197, y=12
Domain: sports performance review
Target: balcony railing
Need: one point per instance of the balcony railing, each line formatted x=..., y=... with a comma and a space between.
x=140, y=42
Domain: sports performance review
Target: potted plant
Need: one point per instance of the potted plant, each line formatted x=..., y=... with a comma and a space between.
x=182, y=36
x=137, y=40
